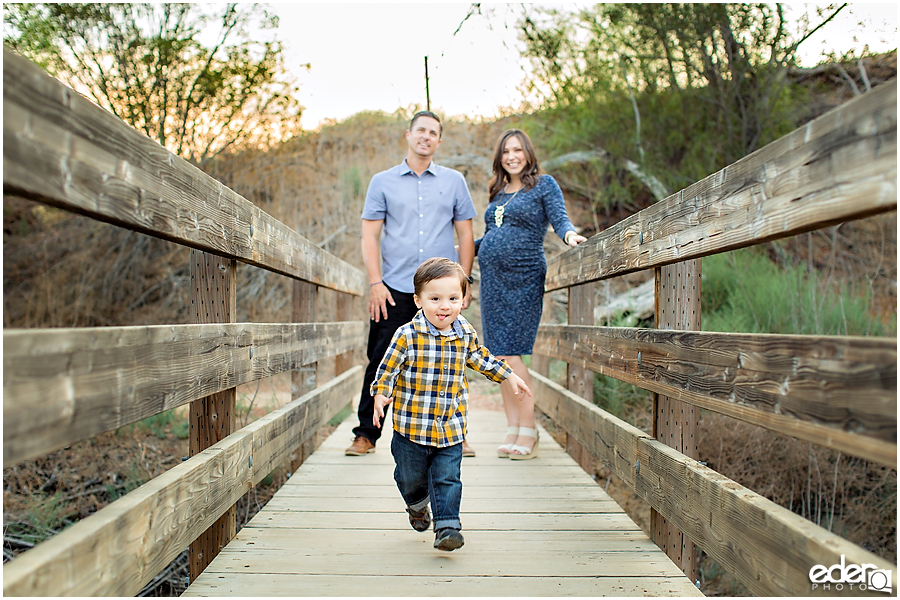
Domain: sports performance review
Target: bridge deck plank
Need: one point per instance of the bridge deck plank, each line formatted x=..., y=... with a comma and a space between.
x=532, y=528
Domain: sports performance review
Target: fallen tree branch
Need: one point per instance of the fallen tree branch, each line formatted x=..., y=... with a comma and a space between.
x=656, y=187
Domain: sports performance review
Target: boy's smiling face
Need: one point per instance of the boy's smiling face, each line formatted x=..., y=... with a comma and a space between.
x=441, y=301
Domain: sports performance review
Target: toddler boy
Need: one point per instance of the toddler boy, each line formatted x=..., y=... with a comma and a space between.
x=424, y=370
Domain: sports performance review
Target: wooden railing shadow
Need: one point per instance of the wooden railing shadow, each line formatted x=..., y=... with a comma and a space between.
x=61, y=386
x=835, y=391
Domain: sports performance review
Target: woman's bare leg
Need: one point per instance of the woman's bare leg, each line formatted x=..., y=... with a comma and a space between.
x=519, y=412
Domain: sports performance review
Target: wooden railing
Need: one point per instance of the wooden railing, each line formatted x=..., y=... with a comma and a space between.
x=835, y=391
x=65, y=385
x=61, y=386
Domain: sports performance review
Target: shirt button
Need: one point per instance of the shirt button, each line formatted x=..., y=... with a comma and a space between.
x=421, y=215
x=420, y=250
x=442, y=393
x=420, y=197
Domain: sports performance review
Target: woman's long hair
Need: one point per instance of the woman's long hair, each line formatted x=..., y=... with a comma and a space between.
x=529, y=174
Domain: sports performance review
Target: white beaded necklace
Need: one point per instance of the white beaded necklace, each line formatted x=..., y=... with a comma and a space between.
x=498, y=212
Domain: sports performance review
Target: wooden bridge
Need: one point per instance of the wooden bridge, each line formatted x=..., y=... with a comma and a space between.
x=61, y=386
x=532, y=528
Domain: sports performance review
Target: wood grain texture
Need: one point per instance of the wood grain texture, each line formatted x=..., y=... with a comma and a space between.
x=303, y=310
x=213, y=300
x=65, y=385
x=341, y=532
x=119, y=549
x=580, y=310
x=767, y=548
x=839, y=392
x=839, y=167
x=675, y=423
x=61, y=149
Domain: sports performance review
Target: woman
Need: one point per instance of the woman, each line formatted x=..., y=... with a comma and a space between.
x=511, y=258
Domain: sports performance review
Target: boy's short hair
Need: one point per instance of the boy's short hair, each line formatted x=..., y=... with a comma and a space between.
x=438, y=268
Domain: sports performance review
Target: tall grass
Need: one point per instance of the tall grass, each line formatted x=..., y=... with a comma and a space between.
x=744, y=291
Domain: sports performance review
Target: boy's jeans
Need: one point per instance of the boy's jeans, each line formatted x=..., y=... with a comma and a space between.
x=427, y=471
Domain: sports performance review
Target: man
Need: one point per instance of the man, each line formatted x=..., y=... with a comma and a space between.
x=417, y=206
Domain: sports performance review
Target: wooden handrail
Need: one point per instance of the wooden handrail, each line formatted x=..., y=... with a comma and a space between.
x=838, y=392
x=62, y=386
x=63, y=150
x=65, y=385
x=839, y=167
x=765, y=546
x=120, y=548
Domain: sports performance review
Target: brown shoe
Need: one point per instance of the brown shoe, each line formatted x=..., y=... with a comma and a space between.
x=361, y=445
x=467, y=450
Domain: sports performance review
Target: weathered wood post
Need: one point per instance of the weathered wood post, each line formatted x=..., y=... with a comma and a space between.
x=343, y=312
x=675, y=423
x=539, y=362
x=212, y=418
x=579, y=379
x=303, y=310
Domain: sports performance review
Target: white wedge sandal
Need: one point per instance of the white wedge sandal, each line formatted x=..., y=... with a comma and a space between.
x=503, y=450
x=523, y=452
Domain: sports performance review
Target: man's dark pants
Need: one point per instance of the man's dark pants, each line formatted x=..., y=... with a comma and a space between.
x=380, y=335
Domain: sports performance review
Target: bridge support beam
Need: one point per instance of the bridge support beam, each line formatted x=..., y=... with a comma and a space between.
x=343, y=312
x=579, y=379
x=303, y=310
x=540, y=362
x=213, y=300
x=675, y=423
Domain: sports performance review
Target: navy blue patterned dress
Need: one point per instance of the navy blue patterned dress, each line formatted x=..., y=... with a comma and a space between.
x=513, y=266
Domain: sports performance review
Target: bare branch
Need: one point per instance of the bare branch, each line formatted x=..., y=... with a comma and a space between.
x=849, y=79
x=656, y=187
x=863, y=74
x=793, y=48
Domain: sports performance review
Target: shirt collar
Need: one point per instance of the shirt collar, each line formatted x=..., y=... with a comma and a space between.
x=423, y=325
x=405, y=168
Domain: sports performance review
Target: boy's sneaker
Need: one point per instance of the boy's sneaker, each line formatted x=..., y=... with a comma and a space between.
x=448, y=539
x=420, y=520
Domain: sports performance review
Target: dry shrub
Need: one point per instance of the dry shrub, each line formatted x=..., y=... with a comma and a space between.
x=65, y=270
x=850, y=497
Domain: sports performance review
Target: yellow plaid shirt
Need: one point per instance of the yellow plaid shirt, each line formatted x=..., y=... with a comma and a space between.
x=424, y=371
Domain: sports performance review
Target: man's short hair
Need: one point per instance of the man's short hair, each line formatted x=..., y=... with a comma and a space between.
x=427, y=113
x=438, y=268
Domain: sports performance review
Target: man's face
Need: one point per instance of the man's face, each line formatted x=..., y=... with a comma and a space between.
x=424, y=136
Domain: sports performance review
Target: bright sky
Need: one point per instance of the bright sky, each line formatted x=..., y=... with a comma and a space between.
x=371, y=56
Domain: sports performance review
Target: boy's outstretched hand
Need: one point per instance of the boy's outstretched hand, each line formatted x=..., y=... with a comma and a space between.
x=380, y=402
x=517, y=386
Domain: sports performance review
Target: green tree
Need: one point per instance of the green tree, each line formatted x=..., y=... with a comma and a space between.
x=680, y=90
x=146, y=64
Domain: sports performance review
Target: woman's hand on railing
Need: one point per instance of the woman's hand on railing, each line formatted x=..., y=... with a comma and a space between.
x=573, y=239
